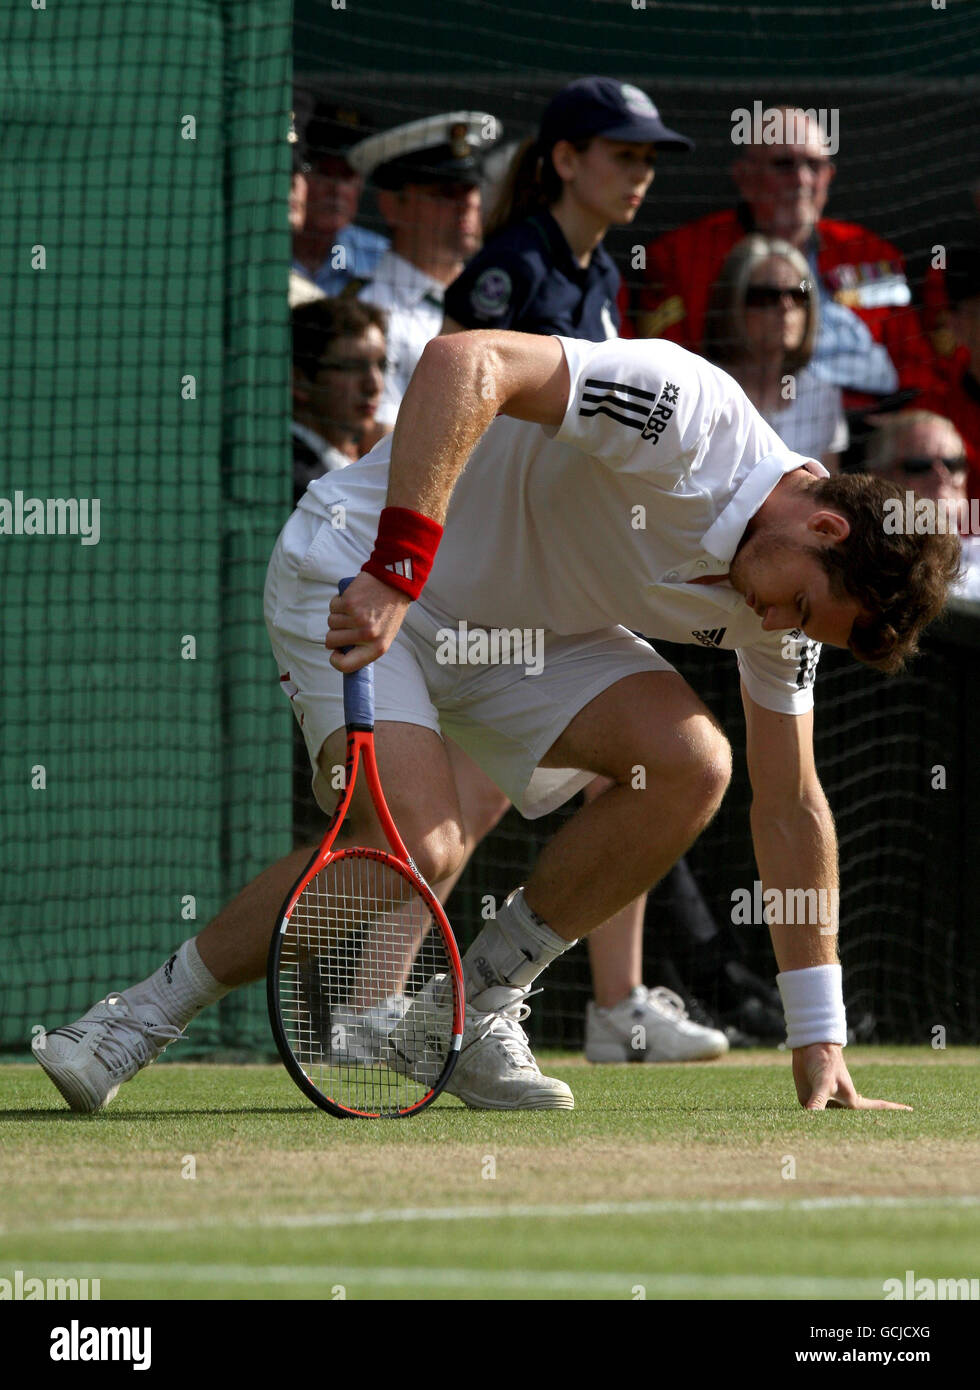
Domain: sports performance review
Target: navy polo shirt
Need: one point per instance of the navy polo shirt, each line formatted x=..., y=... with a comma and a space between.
x=527, y=279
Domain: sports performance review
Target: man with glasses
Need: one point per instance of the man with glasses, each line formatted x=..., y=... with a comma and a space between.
x=925, y=455
x=871, y=341
x=427, y=178
x=338, y=373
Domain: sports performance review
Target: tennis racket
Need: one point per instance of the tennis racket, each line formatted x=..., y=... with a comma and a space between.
x=364, y=981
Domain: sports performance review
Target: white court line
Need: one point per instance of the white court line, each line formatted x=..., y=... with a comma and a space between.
x=563, y=1212
x=514, y=1280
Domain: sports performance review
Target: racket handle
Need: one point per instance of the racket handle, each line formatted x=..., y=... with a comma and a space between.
x=358, y=689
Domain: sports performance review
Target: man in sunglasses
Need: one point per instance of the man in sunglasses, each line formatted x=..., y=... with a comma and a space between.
x=925, y=455
x=871, y=341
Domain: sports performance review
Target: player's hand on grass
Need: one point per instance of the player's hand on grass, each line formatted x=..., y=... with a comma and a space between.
x=365, y=617
x=822, y=1081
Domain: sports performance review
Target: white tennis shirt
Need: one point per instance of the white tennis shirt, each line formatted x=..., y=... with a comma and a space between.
x=649, y=483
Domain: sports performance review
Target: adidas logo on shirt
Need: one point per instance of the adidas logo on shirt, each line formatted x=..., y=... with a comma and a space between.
x=710, y=638
x=402, y=567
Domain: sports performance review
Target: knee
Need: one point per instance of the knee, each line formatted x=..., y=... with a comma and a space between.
x=694, y=771
x=714, y=763
x=439, y=852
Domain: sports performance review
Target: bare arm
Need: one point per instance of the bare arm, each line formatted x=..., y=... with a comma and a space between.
x=460, y=384
x=793, y=834
x=796, y=851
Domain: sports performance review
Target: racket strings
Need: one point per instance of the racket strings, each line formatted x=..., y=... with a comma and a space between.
x=365, y=986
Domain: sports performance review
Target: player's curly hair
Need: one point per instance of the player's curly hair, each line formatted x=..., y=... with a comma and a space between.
x=901, y=581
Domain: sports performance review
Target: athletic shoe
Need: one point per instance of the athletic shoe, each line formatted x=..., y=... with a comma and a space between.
x=495, y=1069
x=650, y=1025
x=697, y=1011
x=361, y=1035
x=90, y=1059
x=416, y=1043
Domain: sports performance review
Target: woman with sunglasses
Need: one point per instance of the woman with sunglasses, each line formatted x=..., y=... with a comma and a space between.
x=762, y=324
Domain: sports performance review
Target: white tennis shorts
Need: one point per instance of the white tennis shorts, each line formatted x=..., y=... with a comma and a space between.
x=502, y=715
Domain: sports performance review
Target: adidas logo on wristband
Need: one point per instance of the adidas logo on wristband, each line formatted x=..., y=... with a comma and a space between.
x=402, y=567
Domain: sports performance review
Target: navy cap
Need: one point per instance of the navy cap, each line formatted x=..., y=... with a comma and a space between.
x=602, y=106
x=331, y=130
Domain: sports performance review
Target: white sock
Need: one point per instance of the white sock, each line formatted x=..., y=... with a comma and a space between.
x=511, y=951
x=178, y=991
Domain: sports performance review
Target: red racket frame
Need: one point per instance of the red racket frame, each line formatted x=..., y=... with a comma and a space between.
x=360, y=750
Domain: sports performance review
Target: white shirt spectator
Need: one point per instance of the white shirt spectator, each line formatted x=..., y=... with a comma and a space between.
x=814, y=423
x=413, y=302
x=969, y=584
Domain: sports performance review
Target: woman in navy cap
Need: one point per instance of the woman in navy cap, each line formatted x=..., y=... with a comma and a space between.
x=543, y=268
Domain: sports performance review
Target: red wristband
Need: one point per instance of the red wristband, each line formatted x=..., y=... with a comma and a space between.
x=405, y=549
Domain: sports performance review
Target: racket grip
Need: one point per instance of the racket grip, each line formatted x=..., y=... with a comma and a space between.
x=358, y=689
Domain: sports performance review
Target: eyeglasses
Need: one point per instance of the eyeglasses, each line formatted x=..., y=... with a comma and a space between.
x=788, y=164
x=768, y=296
x=911, y=466
x=356, y=366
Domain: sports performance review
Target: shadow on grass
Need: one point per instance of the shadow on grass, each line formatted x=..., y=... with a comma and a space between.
x=108, y=1116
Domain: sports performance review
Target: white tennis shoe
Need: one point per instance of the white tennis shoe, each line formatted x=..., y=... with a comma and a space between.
x=496, y=1069
x=89, y=1060
x=649, y=1025
x=361, y=1035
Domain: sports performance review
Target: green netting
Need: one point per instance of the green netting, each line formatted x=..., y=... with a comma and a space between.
x=145, y=365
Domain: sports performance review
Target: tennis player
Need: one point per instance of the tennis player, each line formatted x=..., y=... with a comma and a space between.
x=629, y=485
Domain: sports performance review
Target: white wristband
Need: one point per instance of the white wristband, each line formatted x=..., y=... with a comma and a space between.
x=813, y=1002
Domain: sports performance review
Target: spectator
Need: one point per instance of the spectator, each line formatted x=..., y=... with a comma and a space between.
x=301, y=289
x=427, y=175
x=544, y=268
x=935, y=300
x=871, y=340
x=338, y=370
x=924, y=453
x=329, y=249
x=761, y=326
x=958, y=397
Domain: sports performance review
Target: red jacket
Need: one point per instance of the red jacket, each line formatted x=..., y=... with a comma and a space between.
x=682, y=266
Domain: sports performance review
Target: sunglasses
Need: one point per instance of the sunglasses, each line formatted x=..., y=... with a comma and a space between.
x=912, y=466
x=786, y=164
x=768, y=296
